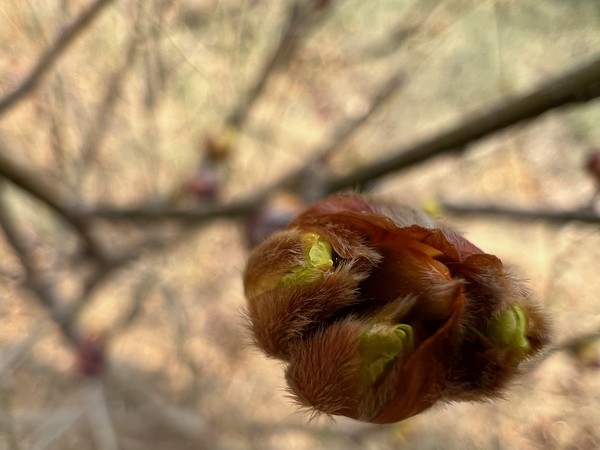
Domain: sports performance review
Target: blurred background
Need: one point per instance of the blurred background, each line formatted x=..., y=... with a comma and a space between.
x=157, y=144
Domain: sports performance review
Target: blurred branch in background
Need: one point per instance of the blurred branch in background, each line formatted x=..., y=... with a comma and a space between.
x=301, y=17
x=45, y=62
x=92, y=141
x=521, y=214
x=36, y=282
x=580, y=85
x=576, y=86
x=30, y=182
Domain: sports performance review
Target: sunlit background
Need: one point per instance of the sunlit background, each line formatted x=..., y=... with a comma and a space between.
x=122, y=118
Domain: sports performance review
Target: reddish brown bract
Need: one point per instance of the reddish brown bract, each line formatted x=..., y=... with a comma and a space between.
x=405, y=313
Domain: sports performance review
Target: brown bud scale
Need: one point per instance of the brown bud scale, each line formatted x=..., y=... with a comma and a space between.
x=381, y=312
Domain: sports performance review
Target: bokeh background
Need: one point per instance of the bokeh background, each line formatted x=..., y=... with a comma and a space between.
x=127, y=116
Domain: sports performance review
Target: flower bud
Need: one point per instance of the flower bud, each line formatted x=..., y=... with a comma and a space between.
x=380, y=312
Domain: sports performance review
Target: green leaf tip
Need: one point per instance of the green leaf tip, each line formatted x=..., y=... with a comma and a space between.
x=509, y=328
x=379, y=346
x=320, y=253
x=318, y=260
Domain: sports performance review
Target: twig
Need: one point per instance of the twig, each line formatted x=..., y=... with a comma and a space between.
x=100, y=123
x=134, y=252
x=410, y=25
x=40, y=286
x=33, y=184
x=576, y=86
x=347, y=129
x=154, y=73
x=8, y=427
x=54, y=426
x=570, y=345
x=301, y=15
x=557, y=217
x=57, y=108
x=97, y=414
x=181, y=324
x=186, y=422
x=14, y=354
x=49, y=57
x=307, y=180
x=152, y=213
x=246, y=206
x=575, y=342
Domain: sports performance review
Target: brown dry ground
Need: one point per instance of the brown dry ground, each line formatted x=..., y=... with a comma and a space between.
x=183, y=375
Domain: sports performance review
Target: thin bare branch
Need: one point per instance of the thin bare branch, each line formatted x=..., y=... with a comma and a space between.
x=308, y=179
x=32, y=183
x=576, y=86
x=573, y=343
x=181, y=420
x=38, y=284
x=347, y=129
x=12, y=355
x=97, y=414
x=556, y=217
x=402, y=33
x=152, y=213
x=53, y=427
x=570, y=345
x=246, y=206
x=301, y=16
x=101, y=121
x=45, y=62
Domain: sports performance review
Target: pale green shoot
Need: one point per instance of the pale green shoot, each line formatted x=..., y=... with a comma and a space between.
x=509, y=328
x=379, y=346
x=318, y=260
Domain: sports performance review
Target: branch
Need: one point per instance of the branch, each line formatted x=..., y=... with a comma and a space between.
x=49, y=57
x=557, y=217
x=11, y=356
x=308, y=179
x=105, y=112
x=569, y=346
x=577, y=86
x=153, y=213
x=344, y=132
x=124, y=378
x=296, y=180
x=53, y=426
x=574, y=343
x=36, y=186
x=97, y=414
x=38, y=285
x=301, y=15
x=402, y=32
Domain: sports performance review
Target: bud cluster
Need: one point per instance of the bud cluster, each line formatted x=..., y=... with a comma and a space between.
x=381, y=312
